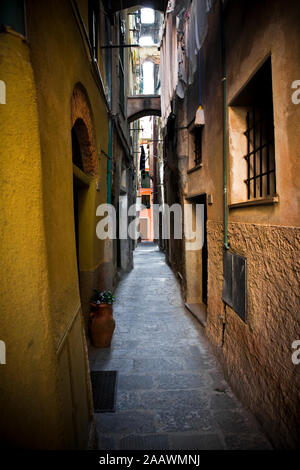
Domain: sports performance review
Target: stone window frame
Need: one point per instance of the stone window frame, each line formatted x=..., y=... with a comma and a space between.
x=148, y=203
x=192, y=131
x=238, y=147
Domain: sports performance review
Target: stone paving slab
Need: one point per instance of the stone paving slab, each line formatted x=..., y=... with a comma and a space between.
x=196, y=442
x=171, y=393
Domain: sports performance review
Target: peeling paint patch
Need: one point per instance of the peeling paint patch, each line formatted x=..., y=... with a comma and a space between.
x=2, y=92
x=2, y=352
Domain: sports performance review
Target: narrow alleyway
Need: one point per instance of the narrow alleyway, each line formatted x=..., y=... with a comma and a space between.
x=171, y=393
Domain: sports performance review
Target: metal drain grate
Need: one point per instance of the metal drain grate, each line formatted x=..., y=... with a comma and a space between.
x=104, y=390
x=151, y=442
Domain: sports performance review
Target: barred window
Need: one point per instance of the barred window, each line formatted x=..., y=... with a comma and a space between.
x=145, y=179
x=198, y=145
x=146, y=200
x=260, y=181
x=252, y=146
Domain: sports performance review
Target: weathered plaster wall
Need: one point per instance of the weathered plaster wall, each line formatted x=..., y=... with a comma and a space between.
x=121, y=187
x=257, y=356
x=269, y=28
x=209, y=178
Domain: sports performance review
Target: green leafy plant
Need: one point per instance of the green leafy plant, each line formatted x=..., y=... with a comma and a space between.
x=102, y=297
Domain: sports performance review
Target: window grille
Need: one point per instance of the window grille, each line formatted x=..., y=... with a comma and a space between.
x=198, y=146
x=145, y=179
x=146, y=200
x=121, y=87
x=260, y=181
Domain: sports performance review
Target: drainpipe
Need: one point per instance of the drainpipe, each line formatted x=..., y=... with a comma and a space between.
x=109, y=160
x=110, y=120
x=224, y=128
x=199, y=80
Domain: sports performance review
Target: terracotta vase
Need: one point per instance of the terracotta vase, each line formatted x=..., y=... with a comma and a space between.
x=102, y=325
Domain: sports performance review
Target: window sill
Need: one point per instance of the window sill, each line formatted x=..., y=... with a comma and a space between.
x=255, y=202
x=194, y=168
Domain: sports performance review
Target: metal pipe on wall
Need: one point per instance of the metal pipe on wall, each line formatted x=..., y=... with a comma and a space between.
x=109, y=161
x=224, y=127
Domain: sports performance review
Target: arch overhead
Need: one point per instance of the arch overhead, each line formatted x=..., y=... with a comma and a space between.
x=83, y=142
x=139, y=106
x=117, y=5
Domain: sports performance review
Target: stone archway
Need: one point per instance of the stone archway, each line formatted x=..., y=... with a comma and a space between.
x=139, y=106
x=82, y=131
x=85, y=168
x=155, y=4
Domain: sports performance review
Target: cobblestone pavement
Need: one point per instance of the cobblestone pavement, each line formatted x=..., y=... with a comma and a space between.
x=171, y=393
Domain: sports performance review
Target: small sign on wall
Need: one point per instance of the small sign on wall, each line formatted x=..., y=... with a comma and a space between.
x=235, y=283
x=2, y=352
x=2, y=92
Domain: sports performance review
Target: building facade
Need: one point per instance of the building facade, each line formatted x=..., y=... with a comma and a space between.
x=231, y=129
x=65, y=150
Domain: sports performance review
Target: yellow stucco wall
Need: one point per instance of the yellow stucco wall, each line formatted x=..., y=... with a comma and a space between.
x=28, y=395
x=60, y=61
x=63, y=65
x=45, y=391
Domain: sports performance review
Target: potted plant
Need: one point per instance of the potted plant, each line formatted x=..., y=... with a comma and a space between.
x=101, y=321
